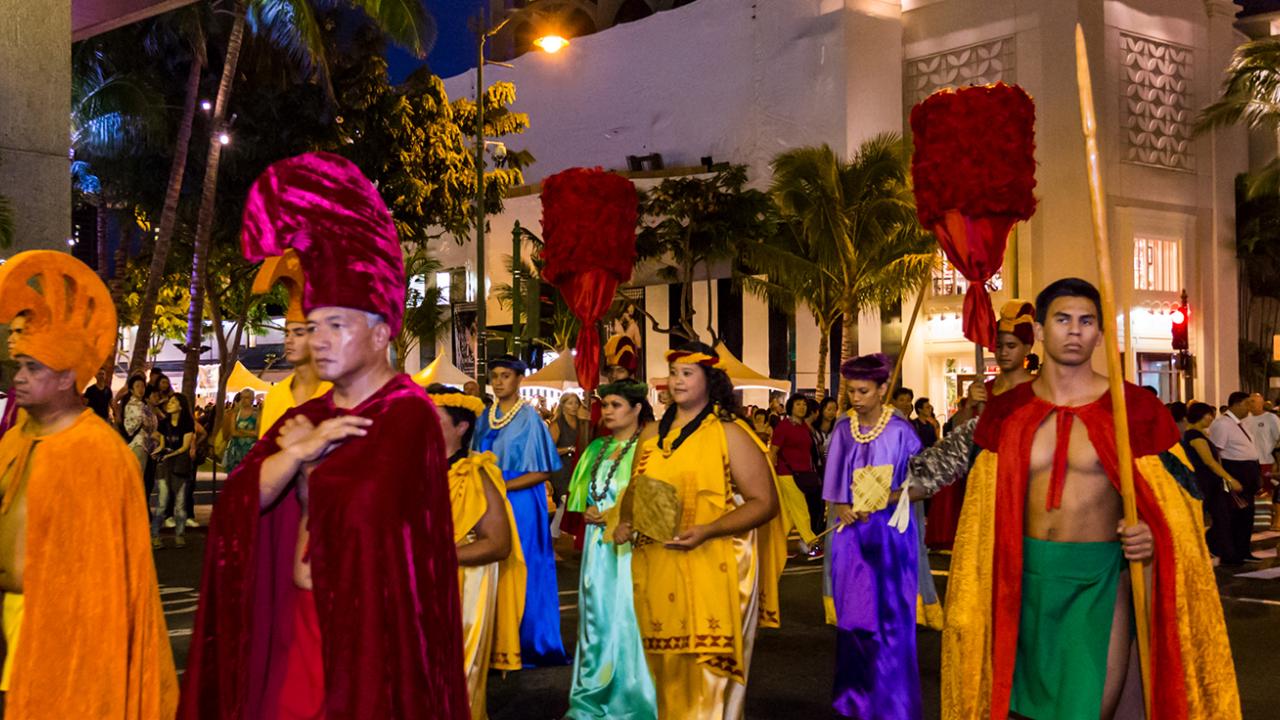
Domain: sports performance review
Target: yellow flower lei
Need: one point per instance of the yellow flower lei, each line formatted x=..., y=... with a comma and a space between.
x=886, y=414
x=466, y=402
x=497, y=423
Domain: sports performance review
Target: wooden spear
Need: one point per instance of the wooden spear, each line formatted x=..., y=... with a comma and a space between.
x=906, y=339
x=1124, y=452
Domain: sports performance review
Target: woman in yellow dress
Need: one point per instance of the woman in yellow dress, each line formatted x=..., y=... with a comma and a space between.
x=701, y=594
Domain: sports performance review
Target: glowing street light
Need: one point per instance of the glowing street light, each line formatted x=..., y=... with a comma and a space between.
x=224, y=138
x=205, y=105
x=551, y=43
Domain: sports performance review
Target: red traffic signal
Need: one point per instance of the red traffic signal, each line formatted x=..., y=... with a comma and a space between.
x=1178, y=327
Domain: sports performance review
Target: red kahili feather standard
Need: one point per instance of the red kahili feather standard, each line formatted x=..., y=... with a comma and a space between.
x=974, y=172
x=589, y=247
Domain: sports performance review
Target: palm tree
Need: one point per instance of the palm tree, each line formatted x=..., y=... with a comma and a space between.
x=792, y=278
x=184, y=27
x=1251, y=94
x=293, y=25
x=112, y=114
x=857, y=222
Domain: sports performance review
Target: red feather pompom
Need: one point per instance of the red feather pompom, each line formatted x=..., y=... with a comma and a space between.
x=974, y=153
x=588, y=222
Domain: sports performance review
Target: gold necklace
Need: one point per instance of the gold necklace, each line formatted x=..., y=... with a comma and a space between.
x=886, y=414
x=496, y=423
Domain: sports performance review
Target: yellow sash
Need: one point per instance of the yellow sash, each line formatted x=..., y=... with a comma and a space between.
x=466, y=493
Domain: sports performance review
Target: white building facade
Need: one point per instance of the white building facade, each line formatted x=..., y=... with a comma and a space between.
x=740, y=81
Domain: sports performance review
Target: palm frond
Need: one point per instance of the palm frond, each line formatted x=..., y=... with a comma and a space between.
x=405, y=22
x=1251, y=91
x=291, y=26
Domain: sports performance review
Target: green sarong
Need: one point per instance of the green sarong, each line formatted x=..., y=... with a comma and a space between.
x=1068, y=602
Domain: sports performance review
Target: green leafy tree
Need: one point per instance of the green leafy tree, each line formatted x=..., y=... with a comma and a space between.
x=856, y=220
x=293, y=25
x=169, y=314
x=692, y=224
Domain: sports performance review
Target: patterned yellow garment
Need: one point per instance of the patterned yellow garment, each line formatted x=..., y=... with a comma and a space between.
x=698, y=609
x=279, y=400
x=1210, y=682
x=492, y=595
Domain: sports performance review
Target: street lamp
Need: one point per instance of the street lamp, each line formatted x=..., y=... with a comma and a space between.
x=548, y=43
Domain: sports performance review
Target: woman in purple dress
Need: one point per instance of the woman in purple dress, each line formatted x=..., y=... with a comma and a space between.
x=872, y=559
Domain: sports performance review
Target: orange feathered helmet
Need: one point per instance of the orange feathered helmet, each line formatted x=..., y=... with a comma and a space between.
x=285, y=269
x=70, y=319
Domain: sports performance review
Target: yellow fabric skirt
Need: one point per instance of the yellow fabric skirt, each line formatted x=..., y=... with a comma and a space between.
x=14, y=604
x=688, y=686
x=479, y=588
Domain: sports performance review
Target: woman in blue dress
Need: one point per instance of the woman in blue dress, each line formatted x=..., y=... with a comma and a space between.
x=610, y=677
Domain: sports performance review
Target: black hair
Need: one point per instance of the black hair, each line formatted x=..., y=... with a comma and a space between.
x=902, y=391
x=456, y=414
x=136, y=378
x=1196, y=412
x=1068, y=287
x=634, y=393
x=1033, y=362
x=921, y=402
x=1151, y=389
x=185, y=408
x=791, y=402
x=1178, y=410
x=1236, y=397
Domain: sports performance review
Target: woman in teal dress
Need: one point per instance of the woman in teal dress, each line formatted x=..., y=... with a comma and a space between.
x=610, y=677
x=243, y=430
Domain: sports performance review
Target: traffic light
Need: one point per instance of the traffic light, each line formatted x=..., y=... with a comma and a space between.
x=1178, y=326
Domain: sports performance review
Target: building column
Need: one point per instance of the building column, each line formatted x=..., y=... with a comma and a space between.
x=35, y=104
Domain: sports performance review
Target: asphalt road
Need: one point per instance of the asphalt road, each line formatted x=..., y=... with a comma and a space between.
x=792, y=670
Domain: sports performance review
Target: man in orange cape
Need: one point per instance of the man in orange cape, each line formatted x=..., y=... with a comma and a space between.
x=83, y=626
x=1038, y=620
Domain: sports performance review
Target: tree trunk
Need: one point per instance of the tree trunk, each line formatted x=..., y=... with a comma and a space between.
x=204, y=222
x=100, y=238
x=168, y=217
x=848, y=350
x=824, y=368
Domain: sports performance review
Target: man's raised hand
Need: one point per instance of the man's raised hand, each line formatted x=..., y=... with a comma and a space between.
x=307, y=443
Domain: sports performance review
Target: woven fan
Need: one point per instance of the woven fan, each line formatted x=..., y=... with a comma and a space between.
x=656, y=509
x=871, y=486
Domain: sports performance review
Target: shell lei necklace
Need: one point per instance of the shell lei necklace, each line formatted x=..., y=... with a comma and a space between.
x=886, y=414
x=496, y=423
x=595, y=470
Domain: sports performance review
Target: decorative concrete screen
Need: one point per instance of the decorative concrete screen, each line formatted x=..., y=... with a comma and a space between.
x=1156, y=105
x=979, y=64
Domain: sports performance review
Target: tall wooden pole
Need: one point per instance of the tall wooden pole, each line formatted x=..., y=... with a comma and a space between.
x=906, y=339
x=1124, y=452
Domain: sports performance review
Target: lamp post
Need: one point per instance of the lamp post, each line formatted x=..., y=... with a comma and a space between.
x=550, y=44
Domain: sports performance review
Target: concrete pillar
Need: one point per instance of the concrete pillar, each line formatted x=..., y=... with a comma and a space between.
x=35, y=104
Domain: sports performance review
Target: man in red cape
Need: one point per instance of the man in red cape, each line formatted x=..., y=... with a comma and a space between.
x=330, y=583
x=1039, y=610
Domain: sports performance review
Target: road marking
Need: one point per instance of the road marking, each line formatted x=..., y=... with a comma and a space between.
x=1259, y=601
x=182, y=610
x=172, y=590
x=1268, y=574
x=571, y=606
x=180, y=632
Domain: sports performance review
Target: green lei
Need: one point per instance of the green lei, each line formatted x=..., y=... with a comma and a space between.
x=579, y=486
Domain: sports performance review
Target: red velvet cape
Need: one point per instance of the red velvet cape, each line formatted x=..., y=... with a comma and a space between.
x=1007, y=426
x=383, y=564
